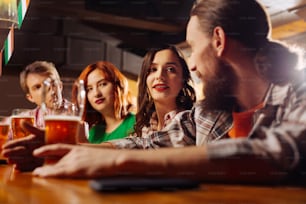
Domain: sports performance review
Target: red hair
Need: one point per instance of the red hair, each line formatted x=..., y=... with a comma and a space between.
x=122, y=95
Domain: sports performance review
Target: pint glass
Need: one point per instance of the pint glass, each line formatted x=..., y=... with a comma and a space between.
x=61, y=129
x=18, y=116
x=62, y=120
x=4, y=130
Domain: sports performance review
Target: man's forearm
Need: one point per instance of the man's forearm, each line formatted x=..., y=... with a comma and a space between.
x=192, y=163
x=101, y=145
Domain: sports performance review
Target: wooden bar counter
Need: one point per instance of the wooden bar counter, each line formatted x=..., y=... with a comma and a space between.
x=23, y=188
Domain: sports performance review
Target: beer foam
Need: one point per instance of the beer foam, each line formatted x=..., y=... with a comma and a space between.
x=22, y=116
x=62, y=117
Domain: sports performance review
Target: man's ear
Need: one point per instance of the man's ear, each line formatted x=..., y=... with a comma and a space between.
x=61, y=85
x=29, y=97
x=219, y=40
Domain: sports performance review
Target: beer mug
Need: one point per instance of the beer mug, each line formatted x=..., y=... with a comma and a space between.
x=4, y=131
x=63, y=103
x=19, y=115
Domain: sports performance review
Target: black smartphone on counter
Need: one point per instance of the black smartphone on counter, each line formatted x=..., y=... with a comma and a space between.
x=142, y=184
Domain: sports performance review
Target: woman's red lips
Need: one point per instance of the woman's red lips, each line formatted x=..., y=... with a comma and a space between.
x=99, y=101
x=160, y=87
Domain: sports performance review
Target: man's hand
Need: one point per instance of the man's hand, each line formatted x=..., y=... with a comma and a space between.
x=77, y=161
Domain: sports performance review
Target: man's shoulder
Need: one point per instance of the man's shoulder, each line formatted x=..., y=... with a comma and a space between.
x=299, y=83
x=200, y=107
x=298, y=90
x=200, y=113
x=300, y=87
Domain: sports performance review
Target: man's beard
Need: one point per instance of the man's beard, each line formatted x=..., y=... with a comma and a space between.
x=218, y=89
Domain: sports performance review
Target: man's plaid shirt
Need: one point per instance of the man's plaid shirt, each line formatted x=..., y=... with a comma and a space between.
x=279, y=130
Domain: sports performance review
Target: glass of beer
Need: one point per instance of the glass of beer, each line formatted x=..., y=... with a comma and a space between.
x=4, y=131
x=63, y=117
x=18, y=116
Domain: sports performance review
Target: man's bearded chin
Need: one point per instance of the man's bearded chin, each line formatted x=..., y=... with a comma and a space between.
x=218, y=90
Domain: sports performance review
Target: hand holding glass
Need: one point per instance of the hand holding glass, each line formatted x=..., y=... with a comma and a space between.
x=63, y=102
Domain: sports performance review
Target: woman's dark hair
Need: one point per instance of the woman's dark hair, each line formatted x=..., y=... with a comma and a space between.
x=145, y=104
x=247, y=22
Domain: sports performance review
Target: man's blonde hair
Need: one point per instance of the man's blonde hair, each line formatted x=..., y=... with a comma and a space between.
x=38, y=67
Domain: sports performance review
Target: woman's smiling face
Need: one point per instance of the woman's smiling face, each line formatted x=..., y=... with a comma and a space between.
x=165, y=78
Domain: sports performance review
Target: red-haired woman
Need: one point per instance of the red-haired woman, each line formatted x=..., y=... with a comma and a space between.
x=108, y=102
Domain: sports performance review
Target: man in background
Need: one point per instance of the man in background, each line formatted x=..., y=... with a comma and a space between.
x=31, y=82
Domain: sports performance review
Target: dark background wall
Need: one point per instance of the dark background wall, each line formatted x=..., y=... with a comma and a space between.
x=69, y=44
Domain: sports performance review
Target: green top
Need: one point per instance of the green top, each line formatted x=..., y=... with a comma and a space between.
x=97, y=133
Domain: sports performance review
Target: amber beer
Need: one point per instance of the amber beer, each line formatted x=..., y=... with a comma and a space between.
x=18, y=131
x=4, y=129
x=61, y=129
